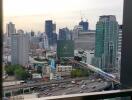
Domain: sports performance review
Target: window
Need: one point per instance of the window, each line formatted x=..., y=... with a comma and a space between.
x=62, y=29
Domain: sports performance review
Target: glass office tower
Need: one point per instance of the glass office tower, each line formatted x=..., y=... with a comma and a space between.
x=106, y=42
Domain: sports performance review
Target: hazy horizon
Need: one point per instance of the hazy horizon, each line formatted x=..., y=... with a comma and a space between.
x=31, y=14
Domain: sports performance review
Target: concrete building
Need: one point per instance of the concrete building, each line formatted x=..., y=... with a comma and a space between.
x=86, y=56
x=120, y=40
x=10, y=29
x=106, y=42
x=76, y=30
x=85, y=40
x=54, y=28
x=119, y=50
x=62, y=70
x=6, y=41
x=32, y=33
x=20, y=31
x=44, y=41
x=19, y=49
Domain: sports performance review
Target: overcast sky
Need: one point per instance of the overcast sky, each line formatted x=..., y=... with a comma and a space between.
x=31, y=14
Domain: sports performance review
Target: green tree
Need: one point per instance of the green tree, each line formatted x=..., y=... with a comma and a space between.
x=21, y=74
x=79, y=73
x=11, y=68
x=73, y=73
x=17, y=70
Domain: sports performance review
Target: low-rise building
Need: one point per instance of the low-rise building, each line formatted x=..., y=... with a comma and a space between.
x=86, y=56
x=62, y=70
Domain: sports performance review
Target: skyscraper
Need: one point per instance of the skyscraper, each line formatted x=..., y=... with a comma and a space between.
x=84, y=24
x=75, y=33
x=19, y=49
x=65, y=48
x=54, y=38
x=44, y=41
x=54, y=28
x=106, y=40
x=49, y=31
x=64, y=34
x=54, y=34
x=10, y=29
x=32, y=33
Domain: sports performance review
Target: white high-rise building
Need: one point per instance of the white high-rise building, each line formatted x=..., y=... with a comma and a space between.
x=19, y=49
x=44, y=41
x=10, y=29
x=76, y=30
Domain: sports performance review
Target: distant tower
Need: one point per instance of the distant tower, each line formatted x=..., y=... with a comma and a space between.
x=54, y=28
x=54, y=34
x=64, y=34
x=32, y=33
x=49, y=31
x=10, y=29
x=44, y=41
x=84, y=24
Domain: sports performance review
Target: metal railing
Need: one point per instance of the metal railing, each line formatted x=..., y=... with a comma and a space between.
x=93, y=95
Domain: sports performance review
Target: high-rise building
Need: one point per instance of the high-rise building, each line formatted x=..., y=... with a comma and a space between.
x=84, y=24
x=65, y=48
x=106, y=42
x=85, y=40
x=19, y=49
x=77, y=29
x=44, y=41
x=32, y=33
x=10, y=29
x=54, y=28
x=119, y=49
x=49, y=31
x=54, y=38
x=20, y=31
x=120, y=39
x=64, y=34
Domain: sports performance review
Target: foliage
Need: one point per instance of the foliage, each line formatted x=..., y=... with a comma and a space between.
x=11, y=68
x=79, y=73
x=18, y=71
x=21, y=74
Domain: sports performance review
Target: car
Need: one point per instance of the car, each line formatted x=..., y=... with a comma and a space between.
x=49, y=94
x=30, y=82
x=41, y=90
x=69, y=88
x=93, y=87
x=73, y=82
x=81, y=91
x=99, y=80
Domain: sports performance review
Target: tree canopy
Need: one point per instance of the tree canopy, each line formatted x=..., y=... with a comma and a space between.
x=79, y=73
x=18, y=71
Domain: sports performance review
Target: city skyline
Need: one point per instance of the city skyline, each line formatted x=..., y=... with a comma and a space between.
x=26, y=16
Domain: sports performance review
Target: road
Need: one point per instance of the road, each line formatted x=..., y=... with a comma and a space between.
x=75, y=88
x=14, y=87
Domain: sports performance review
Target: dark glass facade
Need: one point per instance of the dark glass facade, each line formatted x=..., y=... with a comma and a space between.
x=65, y=48
x=49, y=31
x=85, y=25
